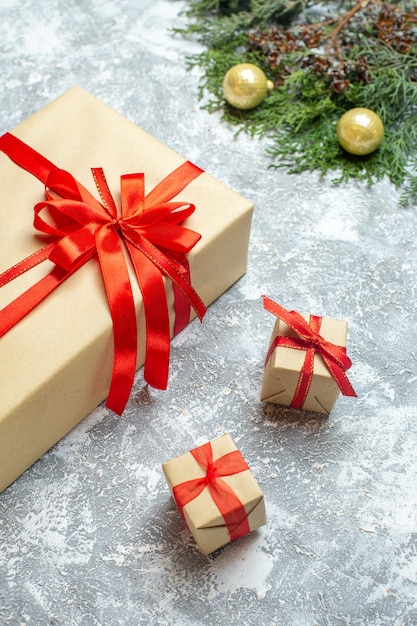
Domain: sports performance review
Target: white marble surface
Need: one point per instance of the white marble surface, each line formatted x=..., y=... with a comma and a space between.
x=89, y=535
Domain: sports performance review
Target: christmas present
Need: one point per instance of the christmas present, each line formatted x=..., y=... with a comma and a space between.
x=103, y=262
x=216, y=493
x=306, y=363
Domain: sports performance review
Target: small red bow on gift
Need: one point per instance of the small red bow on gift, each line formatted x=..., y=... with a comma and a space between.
x=229, y=505
x=148, y=228
x=309, y=339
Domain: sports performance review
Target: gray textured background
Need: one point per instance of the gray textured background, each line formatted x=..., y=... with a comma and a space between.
x=89, y=535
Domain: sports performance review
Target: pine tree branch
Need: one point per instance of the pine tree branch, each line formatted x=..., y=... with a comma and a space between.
x=362, y=4
x=375, y=67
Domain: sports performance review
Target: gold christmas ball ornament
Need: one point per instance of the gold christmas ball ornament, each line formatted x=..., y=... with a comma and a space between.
x=245, y=86
x=360, y=131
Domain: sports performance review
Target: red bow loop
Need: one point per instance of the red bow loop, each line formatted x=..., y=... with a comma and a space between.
x=309, y=339
x=82, y=227
x=74, y=249
x=68, y=206
x=132, y=195
x=60, y=183
x=160, y=223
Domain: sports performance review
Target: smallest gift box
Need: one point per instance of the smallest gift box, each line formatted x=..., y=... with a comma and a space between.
x=216, y=493
x=306, y=362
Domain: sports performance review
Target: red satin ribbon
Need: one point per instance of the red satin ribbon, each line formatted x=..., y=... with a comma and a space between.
x=229, y=505
x=309, y=339
x=148, y=228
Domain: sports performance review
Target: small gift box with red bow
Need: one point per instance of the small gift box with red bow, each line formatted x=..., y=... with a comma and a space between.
x=111, y=243
x=216, y=493
x=306, y=363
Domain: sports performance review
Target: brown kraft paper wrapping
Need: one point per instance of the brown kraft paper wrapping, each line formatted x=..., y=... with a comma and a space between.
x=283, y=369
x=55, y=365
x=202, y=516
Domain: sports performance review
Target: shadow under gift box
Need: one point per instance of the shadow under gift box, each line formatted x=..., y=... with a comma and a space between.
x=55, y=364
x=201, y=514
x=284, y=366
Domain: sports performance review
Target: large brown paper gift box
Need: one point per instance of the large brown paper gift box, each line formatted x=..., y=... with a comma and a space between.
x=55, y=365
x=201, y=514
x=283, y=369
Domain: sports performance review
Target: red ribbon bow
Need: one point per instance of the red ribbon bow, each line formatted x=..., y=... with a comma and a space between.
x=229, y=505
x=309, y=339
x=148, y=228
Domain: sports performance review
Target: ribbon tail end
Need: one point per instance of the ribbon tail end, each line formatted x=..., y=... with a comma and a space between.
x=116, y=406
